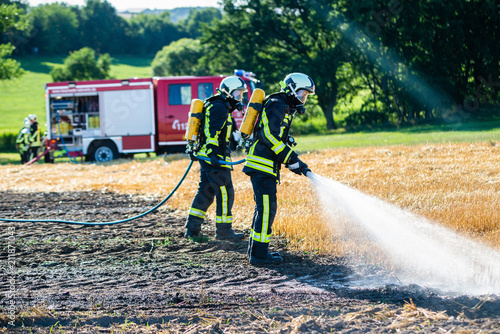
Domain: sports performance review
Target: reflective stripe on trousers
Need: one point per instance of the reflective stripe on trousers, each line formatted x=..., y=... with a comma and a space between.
x=214, y=184
x=264, y=188
x=224, y=217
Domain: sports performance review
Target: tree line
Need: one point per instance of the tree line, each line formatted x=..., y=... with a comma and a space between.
x=58, y=28
x=409, y=62
x=419, y=60
x=406, y=61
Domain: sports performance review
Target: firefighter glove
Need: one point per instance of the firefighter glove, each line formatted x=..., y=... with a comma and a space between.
x=298, y=167
x=193, y=156
x=214, y=159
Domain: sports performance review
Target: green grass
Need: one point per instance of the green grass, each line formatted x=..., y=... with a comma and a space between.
x=25, y=96
x=10, y=158
x=128, y=67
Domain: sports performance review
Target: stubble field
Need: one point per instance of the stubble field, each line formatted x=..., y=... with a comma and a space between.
x=143, y=276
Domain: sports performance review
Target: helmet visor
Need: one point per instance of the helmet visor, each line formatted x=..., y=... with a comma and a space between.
x=302, y=95
x=238, y=94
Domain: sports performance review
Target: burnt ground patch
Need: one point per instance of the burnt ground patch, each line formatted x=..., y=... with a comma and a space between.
x=143, y=276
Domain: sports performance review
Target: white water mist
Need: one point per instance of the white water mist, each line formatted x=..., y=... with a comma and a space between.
x=422, y=252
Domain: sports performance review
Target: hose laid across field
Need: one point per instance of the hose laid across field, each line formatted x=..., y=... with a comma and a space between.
x=123, y=220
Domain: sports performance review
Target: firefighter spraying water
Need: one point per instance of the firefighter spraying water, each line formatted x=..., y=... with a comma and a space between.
x=265, y=135
x=270, y=149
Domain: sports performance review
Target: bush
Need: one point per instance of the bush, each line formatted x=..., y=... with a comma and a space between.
x=83, y=65
x=8, y=141
x=366, y=118
x=181, y=57
x=311, y=125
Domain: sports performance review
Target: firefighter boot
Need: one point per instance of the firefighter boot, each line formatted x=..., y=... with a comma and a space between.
x=193, y=227
x=269, y=259
x=224, y=231
x=194, y=234
x=259, y=254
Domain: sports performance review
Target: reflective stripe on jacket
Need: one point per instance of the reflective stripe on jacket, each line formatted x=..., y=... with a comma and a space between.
x=23, y=139
x=269, y=150
x=35, y=136
x=217, y=128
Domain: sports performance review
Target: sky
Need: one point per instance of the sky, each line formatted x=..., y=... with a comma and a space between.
x=127, y=4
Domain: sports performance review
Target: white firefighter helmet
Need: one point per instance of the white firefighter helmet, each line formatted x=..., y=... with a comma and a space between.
x=27, y=123
x=234, y=87
x=32, y=117
x=300, y=85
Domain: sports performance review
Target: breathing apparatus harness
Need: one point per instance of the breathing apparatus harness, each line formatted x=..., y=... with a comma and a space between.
x=251, y=120
x=195, y=135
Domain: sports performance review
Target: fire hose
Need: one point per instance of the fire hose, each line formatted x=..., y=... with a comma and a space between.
x=35, y=159
x=222, y=162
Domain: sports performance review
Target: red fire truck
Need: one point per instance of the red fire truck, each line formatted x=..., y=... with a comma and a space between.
x=103, y=120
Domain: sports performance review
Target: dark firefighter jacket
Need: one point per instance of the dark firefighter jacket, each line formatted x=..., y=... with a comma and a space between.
x=35, y=135
x=217, y=128
x=269, y=150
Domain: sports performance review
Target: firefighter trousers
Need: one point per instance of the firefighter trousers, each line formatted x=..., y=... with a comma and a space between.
x=34, y=151
x=264, y=188
x=25, y=156
x=214, y=184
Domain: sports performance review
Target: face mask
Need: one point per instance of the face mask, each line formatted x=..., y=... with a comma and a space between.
x=234, y=105
x=239, y=106
x=300, y=109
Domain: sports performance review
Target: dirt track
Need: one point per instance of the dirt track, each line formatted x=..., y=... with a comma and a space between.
x=143, y=276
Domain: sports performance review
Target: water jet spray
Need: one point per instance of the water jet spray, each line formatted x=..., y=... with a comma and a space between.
x=420, y=251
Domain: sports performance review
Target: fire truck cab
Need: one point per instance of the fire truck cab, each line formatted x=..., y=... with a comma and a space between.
x=103, y=120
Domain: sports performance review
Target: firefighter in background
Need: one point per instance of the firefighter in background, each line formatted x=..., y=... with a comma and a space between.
x=271, y=149
x=215, y=179
x=23, y=142
x=36, y=140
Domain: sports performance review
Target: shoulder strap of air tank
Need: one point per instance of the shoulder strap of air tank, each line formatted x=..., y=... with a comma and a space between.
x=216, y=97
x=281, y=96
x=259, y=118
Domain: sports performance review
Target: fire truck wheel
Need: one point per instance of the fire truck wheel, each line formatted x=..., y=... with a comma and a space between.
x=103, y=152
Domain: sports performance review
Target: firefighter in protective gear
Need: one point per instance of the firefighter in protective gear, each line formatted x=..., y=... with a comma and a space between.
x=215, y=178
x=23, y=142
x=269, y=151
x=36, y=140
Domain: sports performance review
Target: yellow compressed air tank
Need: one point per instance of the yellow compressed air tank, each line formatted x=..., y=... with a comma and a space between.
x=253, y=110
x=194, y=121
